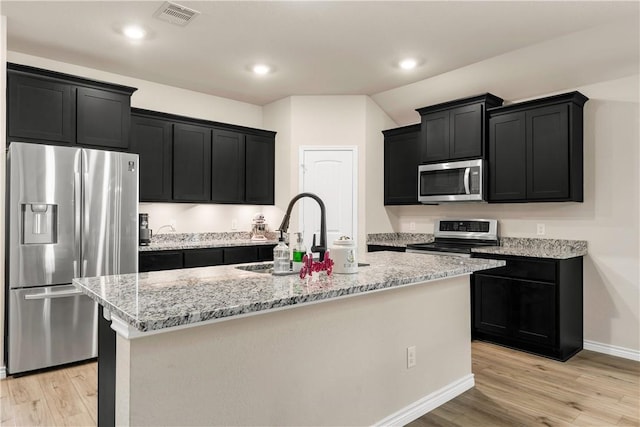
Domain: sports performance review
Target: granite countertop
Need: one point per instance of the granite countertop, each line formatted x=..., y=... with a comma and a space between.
x=178, y=241
x=514, y=246
x=400, y=240
x=537, y=248
x=163, y=299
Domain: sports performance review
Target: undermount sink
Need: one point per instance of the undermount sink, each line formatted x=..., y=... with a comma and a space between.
x=267, y=268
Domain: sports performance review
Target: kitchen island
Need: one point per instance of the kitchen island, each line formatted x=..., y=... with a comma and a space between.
x=232, y=346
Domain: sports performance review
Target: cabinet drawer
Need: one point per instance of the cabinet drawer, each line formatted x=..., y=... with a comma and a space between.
x=203, y=257
x=265, y=253
x=377, y=248
x=154, y=261
x=529, y=269
x=240, y=254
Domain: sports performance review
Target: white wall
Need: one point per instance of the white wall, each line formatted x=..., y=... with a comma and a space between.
x=608, y=219
x=329, y=121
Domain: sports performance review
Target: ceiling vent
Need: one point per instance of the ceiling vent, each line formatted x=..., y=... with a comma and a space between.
x=175, y=14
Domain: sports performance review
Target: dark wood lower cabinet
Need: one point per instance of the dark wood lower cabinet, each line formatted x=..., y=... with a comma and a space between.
x=189, y=258
x=240, y=254
x=203, y=257
x=378, y=248
x=530, y=304
x=160, y=260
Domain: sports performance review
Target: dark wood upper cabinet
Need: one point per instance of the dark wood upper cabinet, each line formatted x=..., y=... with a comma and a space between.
x=151, y=139
x=548, y=152
x=183, y=159
x=435, y=137
x=507, y=157
x=55, y=108
x=455, y=130
x=259, y=169
x=536, y=150
x=401, y=160
x=227, y=166
x=103, y=118
x=191, y=163
x=40, y=109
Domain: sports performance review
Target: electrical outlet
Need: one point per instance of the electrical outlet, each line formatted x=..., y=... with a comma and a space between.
x=411, y=356
x=540, y=231
x=234, y=224
x=412, y=226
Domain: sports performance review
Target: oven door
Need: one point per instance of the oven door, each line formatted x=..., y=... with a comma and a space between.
x=451, y=182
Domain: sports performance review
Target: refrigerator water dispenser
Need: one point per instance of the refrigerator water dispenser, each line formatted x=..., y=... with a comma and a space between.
x=39, y=224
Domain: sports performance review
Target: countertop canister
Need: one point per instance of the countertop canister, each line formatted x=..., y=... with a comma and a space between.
x=344, y=254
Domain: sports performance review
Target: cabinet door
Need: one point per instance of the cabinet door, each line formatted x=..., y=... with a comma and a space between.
x=40, y=109
x=535, y=304
x=465, y=139
x=227, y=166
x=260, y=170
x=162, y=260
x=435, y=137
x=401, y=160
x=191, y=163
x=548, y=153
x=103, y=118
x=151, y=140
x=507, y=157
x=491, y=306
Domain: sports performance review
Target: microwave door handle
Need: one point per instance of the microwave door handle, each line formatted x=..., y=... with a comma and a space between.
x=467, y=172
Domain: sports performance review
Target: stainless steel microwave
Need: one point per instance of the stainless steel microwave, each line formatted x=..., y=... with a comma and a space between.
x=451, y=182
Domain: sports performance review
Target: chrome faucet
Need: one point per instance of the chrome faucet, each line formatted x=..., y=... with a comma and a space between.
x=284, y=226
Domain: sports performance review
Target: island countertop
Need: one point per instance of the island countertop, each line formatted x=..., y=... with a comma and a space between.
x=164, y=299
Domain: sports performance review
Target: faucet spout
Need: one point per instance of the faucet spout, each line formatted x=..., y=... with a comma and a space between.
x=284, y=226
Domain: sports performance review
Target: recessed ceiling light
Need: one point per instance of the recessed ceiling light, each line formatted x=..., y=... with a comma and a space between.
x=261, y=69
x=408, y=64
x=134, y=32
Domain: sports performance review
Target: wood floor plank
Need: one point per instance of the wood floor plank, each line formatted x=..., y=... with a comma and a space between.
x=6, y=411
x=84, y=379
x=523, y=389
x=33, y=413
x=62, y=399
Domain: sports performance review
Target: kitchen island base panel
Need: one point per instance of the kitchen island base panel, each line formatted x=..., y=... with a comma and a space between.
x=342, y=362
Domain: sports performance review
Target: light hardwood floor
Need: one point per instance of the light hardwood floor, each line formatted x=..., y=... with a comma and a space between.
x=512, y=389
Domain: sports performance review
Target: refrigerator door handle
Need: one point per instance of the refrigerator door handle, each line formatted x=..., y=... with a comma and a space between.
x=77, y=216
x=48, y=295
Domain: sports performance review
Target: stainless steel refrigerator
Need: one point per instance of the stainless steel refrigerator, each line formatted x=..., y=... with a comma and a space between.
x=72, y=212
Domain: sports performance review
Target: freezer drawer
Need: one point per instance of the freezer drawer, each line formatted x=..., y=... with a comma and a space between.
x=50, y=326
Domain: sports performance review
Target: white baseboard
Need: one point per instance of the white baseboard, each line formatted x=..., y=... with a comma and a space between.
x=428, y=403
x=612, y=350
x=3, y=372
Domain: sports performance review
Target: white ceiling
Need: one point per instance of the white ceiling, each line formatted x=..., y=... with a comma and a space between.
x=324, y=47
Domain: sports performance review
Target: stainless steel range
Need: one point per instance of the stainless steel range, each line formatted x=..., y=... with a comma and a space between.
x=458, y=236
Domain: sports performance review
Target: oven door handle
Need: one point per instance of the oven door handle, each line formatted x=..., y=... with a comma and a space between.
x=467, y=172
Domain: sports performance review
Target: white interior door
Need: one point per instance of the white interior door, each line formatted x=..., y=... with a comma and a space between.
x=331, y=174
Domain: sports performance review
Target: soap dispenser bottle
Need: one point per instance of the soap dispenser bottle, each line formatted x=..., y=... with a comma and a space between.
x=299, y=250
x=281, y=257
